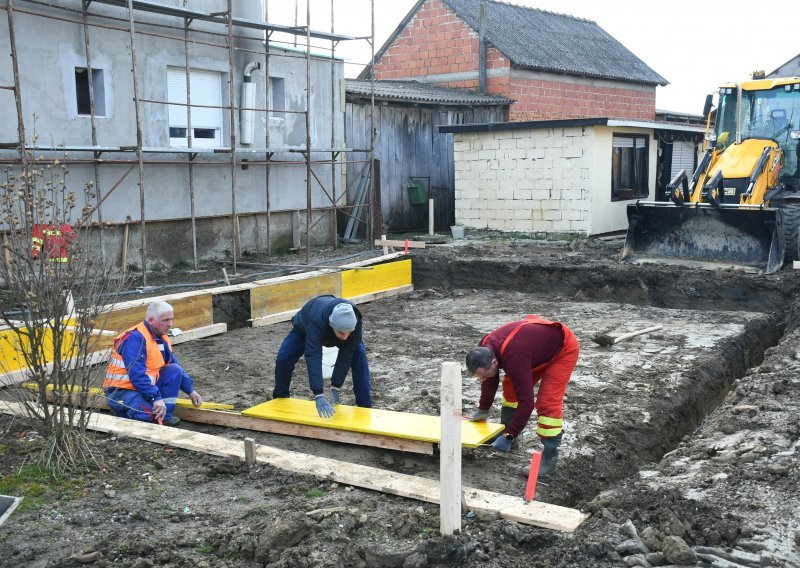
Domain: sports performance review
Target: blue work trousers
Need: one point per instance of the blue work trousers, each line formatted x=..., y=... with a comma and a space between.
x=130, y=404
x=293, y=348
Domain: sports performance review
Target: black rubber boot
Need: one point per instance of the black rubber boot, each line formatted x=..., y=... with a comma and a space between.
x=507, y=415
x=549, y=454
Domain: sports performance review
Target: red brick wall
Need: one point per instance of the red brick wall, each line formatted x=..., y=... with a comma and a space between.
x=434, y=42
x=538, y=99
x=437, y=42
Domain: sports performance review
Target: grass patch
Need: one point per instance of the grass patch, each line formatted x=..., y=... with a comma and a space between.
x=206, y=549
x=314, y=493
x=38, y=486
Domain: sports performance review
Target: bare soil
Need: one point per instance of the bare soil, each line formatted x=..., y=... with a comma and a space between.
x=682, y=444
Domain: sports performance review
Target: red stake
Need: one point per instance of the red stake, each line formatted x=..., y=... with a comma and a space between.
x=536, y=459
x=406, y=249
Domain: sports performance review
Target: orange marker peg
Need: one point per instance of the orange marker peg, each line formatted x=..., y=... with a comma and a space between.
x=536, y=459
x=406, y=249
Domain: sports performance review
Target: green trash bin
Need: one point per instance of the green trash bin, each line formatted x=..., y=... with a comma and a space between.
x=417, y=193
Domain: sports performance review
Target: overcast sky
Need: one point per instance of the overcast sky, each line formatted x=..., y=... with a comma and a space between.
x=696, y=45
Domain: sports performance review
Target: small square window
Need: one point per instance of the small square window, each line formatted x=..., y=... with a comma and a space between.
x=82, y=92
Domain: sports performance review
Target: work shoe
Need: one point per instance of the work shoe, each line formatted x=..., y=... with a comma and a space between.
x=172, y=421
x=549, y=454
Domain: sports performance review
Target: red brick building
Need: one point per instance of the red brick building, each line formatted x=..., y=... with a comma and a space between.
x=552, y=65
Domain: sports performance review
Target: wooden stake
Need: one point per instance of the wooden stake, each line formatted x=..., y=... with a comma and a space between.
x=450, y=450
x=124, y=262
x=250, y=452
x=430, y=216
x=7, y=259
x=225, y=276
x=385, y=248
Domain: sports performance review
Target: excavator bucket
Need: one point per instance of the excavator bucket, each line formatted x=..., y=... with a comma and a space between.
x=698, y=234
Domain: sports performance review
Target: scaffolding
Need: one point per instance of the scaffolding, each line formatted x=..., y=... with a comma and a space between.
x=233, y=37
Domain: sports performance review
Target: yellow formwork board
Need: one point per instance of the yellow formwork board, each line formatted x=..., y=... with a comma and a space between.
x=284, y=296
x=380, y=277
x=14, y=343
x=190, y=313
x=372, y=421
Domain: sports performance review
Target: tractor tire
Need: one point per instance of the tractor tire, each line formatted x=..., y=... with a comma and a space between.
x=790, y=214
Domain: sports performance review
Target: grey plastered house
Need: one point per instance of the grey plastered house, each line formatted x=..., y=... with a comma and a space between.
x=221, y=203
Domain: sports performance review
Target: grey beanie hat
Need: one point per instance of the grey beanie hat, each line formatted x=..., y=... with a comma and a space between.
x=343, y=318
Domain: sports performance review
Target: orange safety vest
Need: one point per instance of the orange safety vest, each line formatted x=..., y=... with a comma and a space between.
x=117, y=374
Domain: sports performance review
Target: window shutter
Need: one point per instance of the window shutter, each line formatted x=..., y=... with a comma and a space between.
x=683, y=155
x=206, y=90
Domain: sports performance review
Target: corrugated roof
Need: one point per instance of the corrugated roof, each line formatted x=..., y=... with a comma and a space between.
x=415, y=91
x=537, y=39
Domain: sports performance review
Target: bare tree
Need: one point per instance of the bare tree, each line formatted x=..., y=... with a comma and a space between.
x=57, y=292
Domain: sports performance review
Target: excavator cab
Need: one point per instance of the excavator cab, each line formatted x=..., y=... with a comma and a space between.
x=741, y=206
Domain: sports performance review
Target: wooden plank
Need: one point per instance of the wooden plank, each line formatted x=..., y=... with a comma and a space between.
x=795, y=264
x=284, y=296
x=450, y=449
x=514, y=508
x=382, y=294
x=376, y=421
x=236, y=420
x=382, y=277
x=97, y=399
x=401, y=244
x=199, y=333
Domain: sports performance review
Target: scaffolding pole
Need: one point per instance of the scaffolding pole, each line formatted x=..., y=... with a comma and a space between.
x=93, y=119
x=308, y=131
x=20, y=120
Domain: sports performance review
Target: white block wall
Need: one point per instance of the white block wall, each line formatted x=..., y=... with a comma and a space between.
x=534, y=180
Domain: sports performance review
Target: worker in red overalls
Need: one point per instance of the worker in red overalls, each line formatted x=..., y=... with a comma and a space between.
x=530, y=352
x=52, y=242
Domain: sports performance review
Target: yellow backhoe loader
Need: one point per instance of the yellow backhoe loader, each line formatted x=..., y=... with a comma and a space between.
x=741, y=206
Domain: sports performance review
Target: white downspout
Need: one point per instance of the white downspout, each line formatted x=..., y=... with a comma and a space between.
x=247, y=114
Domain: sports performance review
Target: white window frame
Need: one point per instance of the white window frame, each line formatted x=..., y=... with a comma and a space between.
x=206, y=108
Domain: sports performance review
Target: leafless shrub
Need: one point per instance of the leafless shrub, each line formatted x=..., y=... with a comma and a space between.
x=53, y=302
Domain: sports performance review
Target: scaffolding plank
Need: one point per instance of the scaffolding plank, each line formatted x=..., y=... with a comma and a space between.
x=236, y=420
x=381, y=277
x=283, y=296
x=514, y=508
x=371, y=421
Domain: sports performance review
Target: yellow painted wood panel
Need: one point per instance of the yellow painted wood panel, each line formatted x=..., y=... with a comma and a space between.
x=190, y=313
x=372, y=421
x=284, y=296
x=380, y=277
x=13, y=344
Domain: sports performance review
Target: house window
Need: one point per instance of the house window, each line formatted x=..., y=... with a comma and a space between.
x=277, y=97
x=629, y=179
x=206, y=111
x=82, y=92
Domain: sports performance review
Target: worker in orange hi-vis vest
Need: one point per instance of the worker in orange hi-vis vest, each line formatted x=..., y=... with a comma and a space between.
x=144, y=377
x=530, y=351
x=52, y=242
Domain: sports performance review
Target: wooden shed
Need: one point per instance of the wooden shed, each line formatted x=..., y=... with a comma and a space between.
x=416, y=160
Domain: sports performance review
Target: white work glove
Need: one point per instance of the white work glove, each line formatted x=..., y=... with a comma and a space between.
x=159, y=409
x=196, y=399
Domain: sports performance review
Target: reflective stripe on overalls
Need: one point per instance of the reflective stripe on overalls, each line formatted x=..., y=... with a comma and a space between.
x=552, y=377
